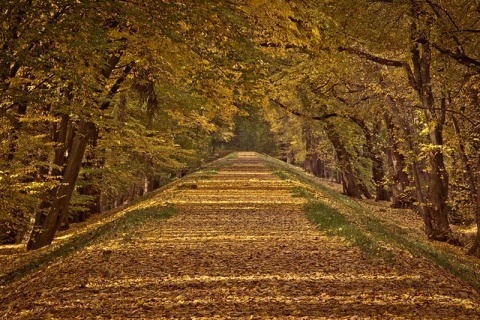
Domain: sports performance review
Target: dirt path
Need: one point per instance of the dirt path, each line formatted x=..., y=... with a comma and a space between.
x=239, y=247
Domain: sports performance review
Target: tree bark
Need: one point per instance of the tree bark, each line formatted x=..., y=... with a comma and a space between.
x=350, y=187
x=371, y=152
x=94, y=161
x=437, y=226
x=475, y=249
x=310, y=164
x=400, y=180
x=48, y=223
x=435, y=208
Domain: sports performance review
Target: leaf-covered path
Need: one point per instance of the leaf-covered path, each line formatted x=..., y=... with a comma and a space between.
x=239, y=247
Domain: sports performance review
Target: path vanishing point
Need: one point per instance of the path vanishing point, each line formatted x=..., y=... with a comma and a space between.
x=239, y=247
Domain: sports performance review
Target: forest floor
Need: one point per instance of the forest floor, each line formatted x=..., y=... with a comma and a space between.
x=238, y=246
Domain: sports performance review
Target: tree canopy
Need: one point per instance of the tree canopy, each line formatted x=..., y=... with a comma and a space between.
x=101, y=102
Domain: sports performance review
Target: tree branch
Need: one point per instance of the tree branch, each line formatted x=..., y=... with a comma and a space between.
x=355, y=120
x=371, y=57
x=116, y=86
x=385, y=62
x=268, y=44
x=460, y=58
x=300, y=114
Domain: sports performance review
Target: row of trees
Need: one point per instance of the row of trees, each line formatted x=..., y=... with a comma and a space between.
x=393, y=88
x=100, y=101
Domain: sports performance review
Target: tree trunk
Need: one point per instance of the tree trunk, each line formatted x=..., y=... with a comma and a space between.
x=437, y=226
x=400, y=180
x=436, y=212
x=469, y=174
x=350, y=187
x=94, y=163
x=475, y=249
x=49, y=222
x=320, y=168
x=378, y=172
x=311, y=156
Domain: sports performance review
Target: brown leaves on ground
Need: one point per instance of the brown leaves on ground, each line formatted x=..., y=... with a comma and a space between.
x=240, y=247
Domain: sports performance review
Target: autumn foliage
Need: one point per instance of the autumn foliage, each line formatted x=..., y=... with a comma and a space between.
x=103, y=102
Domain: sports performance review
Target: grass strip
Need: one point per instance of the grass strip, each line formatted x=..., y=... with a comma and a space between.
x=332, y=222
x=370, y=233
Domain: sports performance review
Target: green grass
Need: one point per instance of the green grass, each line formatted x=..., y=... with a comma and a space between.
x=208, y=172
x=232, y=155
x=144, y=215
x=400, y=238
x=334, y=223
x=299, y=192
x=371, y=234
x=280, y=174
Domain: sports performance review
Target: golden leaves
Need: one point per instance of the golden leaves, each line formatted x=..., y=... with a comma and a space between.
x=239, y=248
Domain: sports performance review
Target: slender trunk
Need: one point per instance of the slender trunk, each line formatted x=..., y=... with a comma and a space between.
x=320, y=168
x=57, y=209
x=311, y=156
x=14, y=131
x=475, y=249
x=419, y=191
x=290, y=159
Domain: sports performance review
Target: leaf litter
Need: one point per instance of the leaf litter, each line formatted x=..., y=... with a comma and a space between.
x=239, y=247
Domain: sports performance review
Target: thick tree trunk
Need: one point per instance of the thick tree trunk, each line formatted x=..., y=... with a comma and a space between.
x=49, y=222
x=437, y=226
x=378, y=172
x=350, y=187
x=396, y=160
